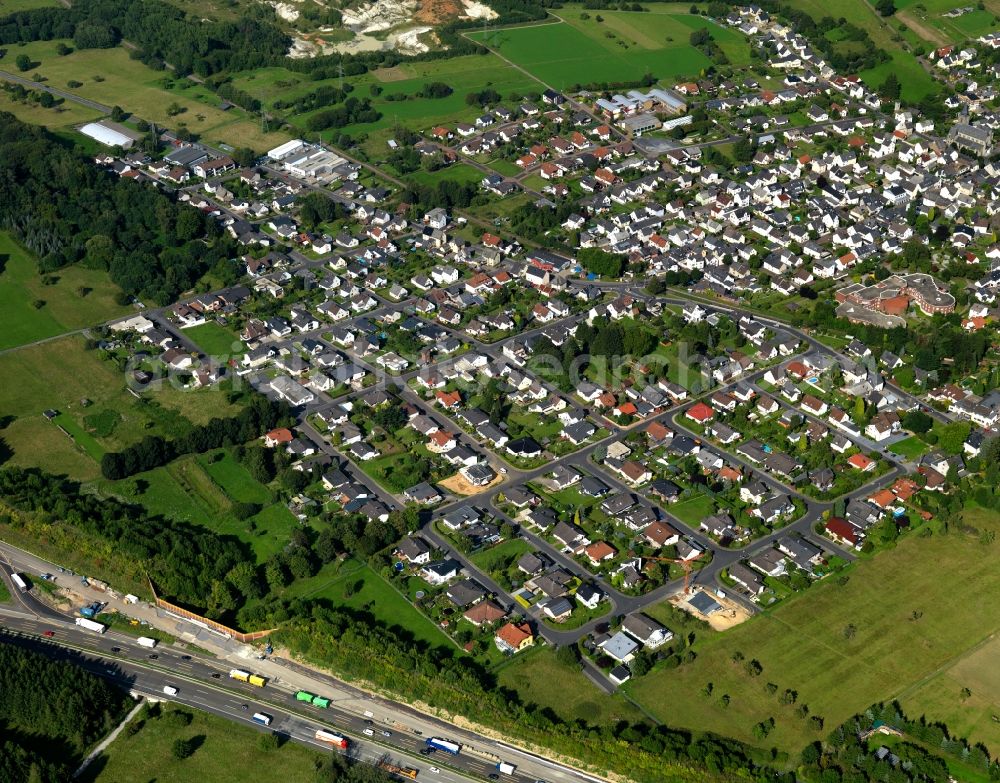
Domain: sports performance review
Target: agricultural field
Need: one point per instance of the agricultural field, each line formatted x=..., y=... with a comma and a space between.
x=471, y=73
x=110, y=77
x=624, y=47
x=837, y=645
x=927, y=19
x=76, y=297
x=539, y=678
x=94, y=406
x=915, y=81
x=147, y=754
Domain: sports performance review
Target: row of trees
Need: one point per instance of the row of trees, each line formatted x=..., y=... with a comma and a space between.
x=182, y=559
x=356, y=644
x=259, y=416
x=48, y=729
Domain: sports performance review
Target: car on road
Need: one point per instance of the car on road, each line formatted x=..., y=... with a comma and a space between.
x=48, y=634
x=216, y=676
x=368, y=733
x=369, y=722
x=116, y=649
x=386, y=733
x=185, y=657
x=426, y=751
x=435, y=770
x=493, y=776
x=244, y=707
x=153, y=656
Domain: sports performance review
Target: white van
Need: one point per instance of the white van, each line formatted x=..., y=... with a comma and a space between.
x=170, y=690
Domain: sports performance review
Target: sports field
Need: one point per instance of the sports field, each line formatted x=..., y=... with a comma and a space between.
x=76, y=297
x=903, y=616
x=624, y=47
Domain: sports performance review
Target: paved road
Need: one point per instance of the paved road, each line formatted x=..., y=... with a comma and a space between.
x=10, y=77
x=203, y=682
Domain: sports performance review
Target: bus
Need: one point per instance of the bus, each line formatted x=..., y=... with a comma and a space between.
x=403, y=772
x=330, y=738
x=446, y=745
x=239, y=674
x=304, y=696
x=257, y=680
x=262, y=718
x=19, y=582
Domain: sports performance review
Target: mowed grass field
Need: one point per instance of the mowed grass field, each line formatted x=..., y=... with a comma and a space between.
x=215, y=339
x=64, y=116
x=79, y=297
x=625, y=47
x=111, y=77
x=916, y=610
x=61, y=374
x=538, y=678
x=226, y=751
x=471, y=73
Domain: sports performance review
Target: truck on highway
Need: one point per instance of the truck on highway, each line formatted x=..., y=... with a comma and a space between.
x=447, y=746
x=257, y=680
x=91, y=625
x=505, y=768
x=145, y=641
x=19, y=582
x=239, y=674
x=395, y=769
x=262, y=718
x=329, y=738
x=305, y=696
x=321, y=701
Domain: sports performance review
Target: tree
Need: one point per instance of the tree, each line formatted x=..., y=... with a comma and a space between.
x=917, y=422
x=118, y=114
x=182, y=748
x=885, y=7
x=744, y=150
x=568, y=655
x=244, y=577
x=601, y=263
x=891, y=88
x=23, y=62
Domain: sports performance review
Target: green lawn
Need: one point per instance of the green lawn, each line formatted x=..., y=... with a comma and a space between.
x=458, y=172
x=495, y=557
x=361, y=588
x=911, y=447
x=540, y=679
x=625, y=47
x=693, y=510
x=215, y=340
x=894, y=601
x=226, y=751
x=79, y=297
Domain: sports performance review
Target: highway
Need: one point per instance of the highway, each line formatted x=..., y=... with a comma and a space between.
x=398, y=734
